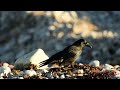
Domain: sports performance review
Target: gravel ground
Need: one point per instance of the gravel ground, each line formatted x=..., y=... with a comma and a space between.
x=23, y=31
x=76, y=71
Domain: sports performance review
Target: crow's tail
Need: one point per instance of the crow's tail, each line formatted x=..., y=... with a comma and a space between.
x=43, y=63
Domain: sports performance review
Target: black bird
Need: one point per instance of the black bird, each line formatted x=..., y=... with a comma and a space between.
x=68, y=56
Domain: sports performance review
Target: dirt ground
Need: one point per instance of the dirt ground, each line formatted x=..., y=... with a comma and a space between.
x=23, y=31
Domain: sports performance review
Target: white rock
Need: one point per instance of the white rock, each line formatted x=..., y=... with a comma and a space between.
x=1, y=78
x=30, y=72
x=34, y=57
x=4, y=69
x=95, y=63
x=1, y=74
x=5, y=64
x=107, y=67
x=80, y=71
x=62, y=76
x=117, y=76
x=21, y=78
x=80, y=64
x=33, y=71
x=57, y=76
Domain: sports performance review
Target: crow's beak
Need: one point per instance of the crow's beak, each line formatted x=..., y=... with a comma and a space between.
x=88, y=45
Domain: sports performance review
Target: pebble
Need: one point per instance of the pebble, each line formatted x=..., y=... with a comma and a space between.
x=95, y=63
x=80, y=64
x=5, y=64
x=30, y=72
x=107, y=67
x=21, y=78
x=62, y=76
x=80, y=71
x=21, y=73
x=5, y=69
x=49, y=75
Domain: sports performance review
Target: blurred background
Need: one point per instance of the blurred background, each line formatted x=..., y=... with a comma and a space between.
x=24, y=31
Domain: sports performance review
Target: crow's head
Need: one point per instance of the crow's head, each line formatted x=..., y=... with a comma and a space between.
x=82, y=43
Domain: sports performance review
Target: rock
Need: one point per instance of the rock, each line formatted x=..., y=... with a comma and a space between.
x=80, y=71
x=34, y=57
x=8, y=57
x=118, y=52
x=21, y=78
x=80, y=64
x=30, y=72
x=26, y=38
x=5, y=64
x=63, y=16
x=107, y=67
x=49, y=75
x=56, y=76
x=21, y=73
x=5, y=69
x=62, y=76
x=21, y=53
x=95, y=63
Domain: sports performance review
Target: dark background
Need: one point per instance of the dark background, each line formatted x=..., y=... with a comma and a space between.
x=24, y=31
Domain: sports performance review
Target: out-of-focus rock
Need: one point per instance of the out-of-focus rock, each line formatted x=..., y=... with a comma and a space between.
x=118, y=52
x=5, y=69
x=8, y=57
x=95, y=63
x=23, y=38
x=83, y=27
x=62, y=16
x=21, y=73
x=107, y=67
x=34, y=57
x=30, y=72
x=62, y=76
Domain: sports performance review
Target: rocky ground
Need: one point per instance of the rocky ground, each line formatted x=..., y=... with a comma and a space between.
x=93, y=70
x=24, y=31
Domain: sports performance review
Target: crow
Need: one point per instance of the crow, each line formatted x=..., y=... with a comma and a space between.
x=67, y=56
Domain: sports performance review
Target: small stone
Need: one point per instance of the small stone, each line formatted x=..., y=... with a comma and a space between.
x=33, y=71
x=21, y=78
x=5, y=69
x=95, y=63
x=49, y=75
x=30, y=72
x=80, y=71
x=1, y=78
x=21, y=73
x=57, y=76
x=107, y=67
x=5, y=64
x=23, y=38
x=80, y=64
x=62, y=76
